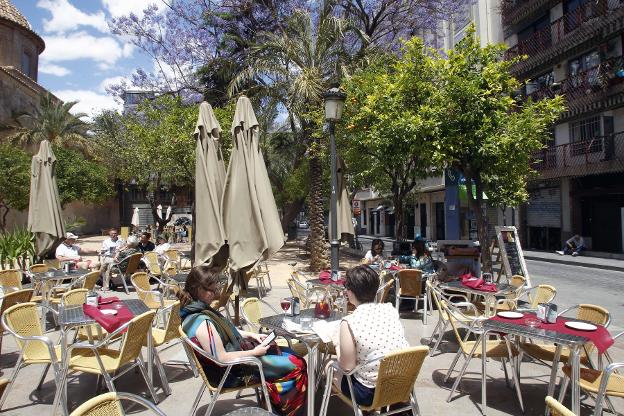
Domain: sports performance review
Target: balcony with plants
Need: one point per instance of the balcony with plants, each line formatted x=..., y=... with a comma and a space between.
x=593, y=19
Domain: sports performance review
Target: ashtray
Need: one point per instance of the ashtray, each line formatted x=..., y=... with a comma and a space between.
x=532, y=322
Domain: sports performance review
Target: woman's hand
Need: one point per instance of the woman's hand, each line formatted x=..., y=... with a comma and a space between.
x=259, y=351
x=256, y=337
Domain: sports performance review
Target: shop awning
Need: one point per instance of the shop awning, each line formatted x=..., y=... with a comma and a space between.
x=463, y=194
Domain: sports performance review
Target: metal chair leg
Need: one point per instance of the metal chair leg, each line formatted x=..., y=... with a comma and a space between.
x=43, y=376
x=200, y=393
x=453, y=364
x=18, y=367
x=463, y=370
x=414, y=403
x=161, y=372
x=147, y=380
x=440, y=336
x=516, y=381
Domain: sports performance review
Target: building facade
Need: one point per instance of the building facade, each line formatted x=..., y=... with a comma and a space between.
x=574, y=48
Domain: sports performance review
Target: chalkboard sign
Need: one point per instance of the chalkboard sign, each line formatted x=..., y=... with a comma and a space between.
x=511, y=253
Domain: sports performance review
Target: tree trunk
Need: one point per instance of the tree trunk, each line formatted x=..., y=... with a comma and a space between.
x=399, y=218
x=290, y=212
x=476, y=205
x=3, y=217
x=318, y=252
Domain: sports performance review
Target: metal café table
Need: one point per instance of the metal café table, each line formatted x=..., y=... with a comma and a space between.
x=504, y=289
x=310, y=339
x=75, y=316
x=573, y=342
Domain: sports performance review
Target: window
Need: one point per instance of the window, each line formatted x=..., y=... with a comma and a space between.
x=26, y=64
x=536, y=28
x=581, y=134
x=540, y=83
x=585, y=68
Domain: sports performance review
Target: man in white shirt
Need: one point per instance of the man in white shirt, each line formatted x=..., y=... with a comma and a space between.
x=573, y=246
x=68, y=251
x=110, y=247
x=162, y=245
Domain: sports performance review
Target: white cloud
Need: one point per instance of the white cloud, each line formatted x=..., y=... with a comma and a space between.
x=106, y=51
x=107, y=82
x=66, y=17
x=118, y=8
x=89, y=102
x=51, y=69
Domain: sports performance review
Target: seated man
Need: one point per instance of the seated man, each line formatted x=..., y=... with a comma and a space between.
x=110, y=246
x=69, y=251
x=573, y=246
x=145, y=244
x=162, y=246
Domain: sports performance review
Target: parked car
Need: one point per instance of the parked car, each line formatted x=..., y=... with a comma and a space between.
x=182, y=221
x=303, y=224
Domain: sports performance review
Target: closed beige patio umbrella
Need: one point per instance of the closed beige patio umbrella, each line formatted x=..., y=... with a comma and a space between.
x=209, y=181
x=344, y=217
x=44, y=210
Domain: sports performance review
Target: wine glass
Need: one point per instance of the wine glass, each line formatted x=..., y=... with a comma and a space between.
x=285, y=304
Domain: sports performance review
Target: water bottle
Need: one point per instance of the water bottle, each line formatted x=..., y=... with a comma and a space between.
x=66, y=267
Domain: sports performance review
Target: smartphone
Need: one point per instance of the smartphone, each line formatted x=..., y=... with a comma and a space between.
x=269, y=339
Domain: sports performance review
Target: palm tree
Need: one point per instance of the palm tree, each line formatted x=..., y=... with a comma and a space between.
x=297, y=65
x=52, y=121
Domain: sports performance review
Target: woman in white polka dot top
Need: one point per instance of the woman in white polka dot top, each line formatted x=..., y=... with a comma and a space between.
x=371, y=331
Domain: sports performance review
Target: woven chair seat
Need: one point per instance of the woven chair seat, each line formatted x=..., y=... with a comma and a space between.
x=84, y=360
x=590, y=381
x=493, y=349
x=546, y=352
x=37, y=353
x=154, y=304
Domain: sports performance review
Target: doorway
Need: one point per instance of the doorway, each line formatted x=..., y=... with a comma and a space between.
x=439, y=216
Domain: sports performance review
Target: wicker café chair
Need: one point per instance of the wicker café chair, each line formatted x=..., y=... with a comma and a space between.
x=263, y=270
x=384, y=291
x=109, y=404
x=556, y=408
x=38, y=268
x=396, y=380
x=133, y=264
x=251, y=312
x=24, y=323
x=101, y=360
x=152, y=298
x=172, y=256
x=216, y=389
x=10, y=299
x=409, y=286
x=586, y=312
x=10, y=280
x=528, y=299
x=602, y=384
x=88, y=281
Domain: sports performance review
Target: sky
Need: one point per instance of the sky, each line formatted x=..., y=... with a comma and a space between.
x=82, y=56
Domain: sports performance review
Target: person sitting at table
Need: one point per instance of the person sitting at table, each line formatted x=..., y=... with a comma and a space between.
x=285, y=372
x=375, y=254
x=69, y=251
x=145, y=244
x=130, y=248
x=420, y=258
x=162, y=245
x=371, y=331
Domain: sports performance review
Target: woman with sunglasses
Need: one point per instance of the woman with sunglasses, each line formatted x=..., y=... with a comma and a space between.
x=375, y=254
x=285, y=372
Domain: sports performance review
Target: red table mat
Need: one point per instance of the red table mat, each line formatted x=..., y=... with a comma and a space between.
x=109, y=322
x=325, y=278
x=601, y=337
x=479, y=284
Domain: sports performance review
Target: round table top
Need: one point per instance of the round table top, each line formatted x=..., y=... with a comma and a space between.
x=249, y=411
x=319, y=282
x=60, y=274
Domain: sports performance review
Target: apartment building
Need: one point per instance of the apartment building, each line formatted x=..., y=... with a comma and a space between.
x=574, y=48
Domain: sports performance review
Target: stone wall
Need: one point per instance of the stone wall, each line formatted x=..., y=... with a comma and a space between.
x=15, y=97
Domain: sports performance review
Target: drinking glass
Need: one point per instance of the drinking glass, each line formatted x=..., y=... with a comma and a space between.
x=285, y=304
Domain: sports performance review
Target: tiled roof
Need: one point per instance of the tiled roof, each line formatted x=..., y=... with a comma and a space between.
x=9, y=11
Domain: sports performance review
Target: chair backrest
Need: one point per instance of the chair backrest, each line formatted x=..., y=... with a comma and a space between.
x=109, y=404
x=153, y=262
x=173, y=322
x=140, y=281
x=293, y=289
x=10, y=279
x=38, y=268
x=517, y=281
x=54, y=263
x=397, y=374
x=556, y=408
x=135, y=337
x=172, y=255
x=90, y=279
x=383, y=291
x=23, y=319
x=543, y=294
x=75, y=297
x=171, y=270
x=198, y=350
x=435, y=295
x=593, y=313
x=133, y=263
x=250, y=309
x=13, y=298
x=454, y=316
x=410, y=282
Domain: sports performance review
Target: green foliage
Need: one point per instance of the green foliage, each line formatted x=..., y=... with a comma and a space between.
x=73, y=224
x=14, y=181
x=17, y=247
x=484, y=131
x=81, y=179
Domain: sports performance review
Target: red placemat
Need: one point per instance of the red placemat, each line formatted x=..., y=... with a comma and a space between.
x=601, y=337
x=109, y=322
x=479, y=284
x=325, y=278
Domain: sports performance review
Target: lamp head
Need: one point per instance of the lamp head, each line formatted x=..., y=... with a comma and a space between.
x=334, y=103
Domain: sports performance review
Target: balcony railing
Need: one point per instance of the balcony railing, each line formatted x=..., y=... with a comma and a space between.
x=570, y=22
x=597, y=155
x=513, y=11
x=582, y=85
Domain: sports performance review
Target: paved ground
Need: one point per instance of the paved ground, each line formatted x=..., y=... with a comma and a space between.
x=573, y=284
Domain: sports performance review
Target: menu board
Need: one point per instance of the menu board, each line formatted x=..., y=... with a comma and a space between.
x=511, y=253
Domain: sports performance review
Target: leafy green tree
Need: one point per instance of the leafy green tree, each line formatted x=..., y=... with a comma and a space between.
x=14, y=181
x=385, y=135
x=54, y=122
x=483, y=131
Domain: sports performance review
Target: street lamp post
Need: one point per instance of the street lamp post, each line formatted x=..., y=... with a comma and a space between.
x=334, y=103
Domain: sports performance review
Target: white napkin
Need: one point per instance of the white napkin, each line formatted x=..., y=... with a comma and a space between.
x=291, y=326
x=325, y=330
